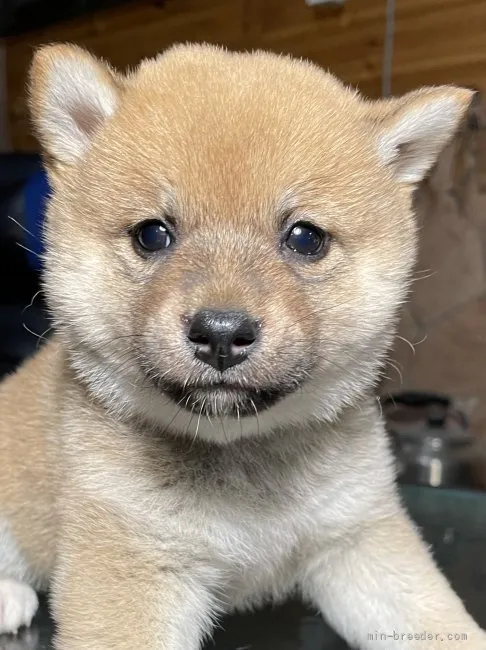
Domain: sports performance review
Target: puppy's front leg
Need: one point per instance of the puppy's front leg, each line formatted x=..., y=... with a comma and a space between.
x=380, y=589
x=116, y=588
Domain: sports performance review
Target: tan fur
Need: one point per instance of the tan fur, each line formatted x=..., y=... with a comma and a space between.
x=146, y=519
x=28, y=472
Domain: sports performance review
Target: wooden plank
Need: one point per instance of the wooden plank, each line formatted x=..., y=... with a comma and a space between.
x=437, y=41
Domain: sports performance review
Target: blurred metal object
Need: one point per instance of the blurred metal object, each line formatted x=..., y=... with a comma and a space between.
x=389, y=44
x=432, y=441
x=322, y=3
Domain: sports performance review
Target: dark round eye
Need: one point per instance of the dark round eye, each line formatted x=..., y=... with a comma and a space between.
x=306, y=239
x=152, y=236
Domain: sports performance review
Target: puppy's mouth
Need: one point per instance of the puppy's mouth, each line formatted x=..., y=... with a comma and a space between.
x=225, y=399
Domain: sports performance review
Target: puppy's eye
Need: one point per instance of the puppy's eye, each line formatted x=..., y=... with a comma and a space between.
x=152, y=236
x=306, y=239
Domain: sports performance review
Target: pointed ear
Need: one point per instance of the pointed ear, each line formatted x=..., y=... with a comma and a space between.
x=413, y=130
x=71, y=95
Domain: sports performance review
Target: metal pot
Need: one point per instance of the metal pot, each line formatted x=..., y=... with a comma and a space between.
x=432, y=441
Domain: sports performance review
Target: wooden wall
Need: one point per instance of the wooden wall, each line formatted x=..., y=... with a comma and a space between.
x=437, y=41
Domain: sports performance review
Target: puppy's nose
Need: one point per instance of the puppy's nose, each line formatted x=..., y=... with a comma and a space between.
x=222, y=339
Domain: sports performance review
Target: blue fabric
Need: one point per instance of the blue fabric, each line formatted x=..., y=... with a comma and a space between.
x=36, y=192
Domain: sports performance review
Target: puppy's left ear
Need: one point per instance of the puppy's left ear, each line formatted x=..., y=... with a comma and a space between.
x=72, y=94
x=413, y=130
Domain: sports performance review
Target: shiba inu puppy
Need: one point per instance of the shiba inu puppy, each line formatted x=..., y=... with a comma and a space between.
x=229, y=239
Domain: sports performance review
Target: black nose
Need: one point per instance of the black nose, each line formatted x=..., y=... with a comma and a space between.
x=222, y=338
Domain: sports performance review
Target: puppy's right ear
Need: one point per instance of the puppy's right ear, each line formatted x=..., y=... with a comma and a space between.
x=71, y=95
x=413, y=130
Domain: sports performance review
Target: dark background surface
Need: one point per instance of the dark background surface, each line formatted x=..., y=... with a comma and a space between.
x=23, y=318
x=21, y=16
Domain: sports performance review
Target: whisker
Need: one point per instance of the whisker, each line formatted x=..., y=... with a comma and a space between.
x=20, y=225
x=38, y=336
x=428, y=274
x=29, y=250
x=167, y=427
x=198, y=421
x=224, y=430
x=422, y=340
x=238, y=417
x=256, y=415
x=380, y=405
x=43, y=336
x=397, y=370
x=409, y=343
x=190, y=419
x=32, y=301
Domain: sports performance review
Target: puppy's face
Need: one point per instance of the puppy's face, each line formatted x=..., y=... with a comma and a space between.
x=230, y=236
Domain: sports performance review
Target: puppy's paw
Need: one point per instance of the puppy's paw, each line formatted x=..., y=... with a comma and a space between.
x=18, y=604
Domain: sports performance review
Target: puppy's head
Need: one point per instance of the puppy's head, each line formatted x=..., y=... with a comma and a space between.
x=230, y=235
